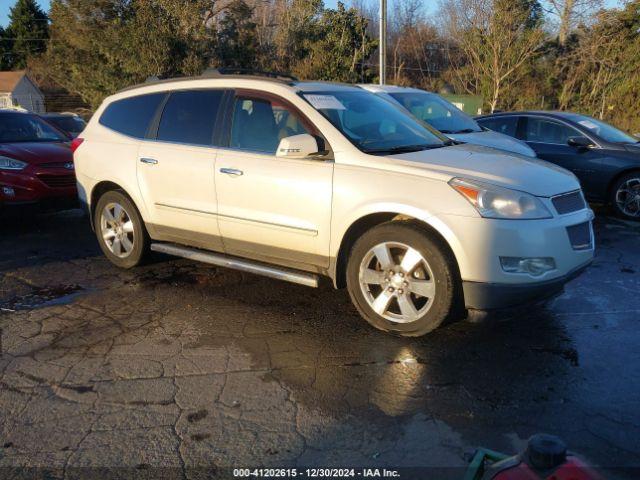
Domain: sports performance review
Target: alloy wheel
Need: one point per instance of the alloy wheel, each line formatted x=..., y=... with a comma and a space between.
x=628, y=197
x=117, y=230
x=397, y=282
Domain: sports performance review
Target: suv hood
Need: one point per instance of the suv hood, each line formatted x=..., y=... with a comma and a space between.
x=495, y=140
x=531, y=175
x=36, y=153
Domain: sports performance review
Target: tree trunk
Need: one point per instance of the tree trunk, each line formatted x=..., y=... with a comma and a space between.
x=565, y=22
x=496, y=95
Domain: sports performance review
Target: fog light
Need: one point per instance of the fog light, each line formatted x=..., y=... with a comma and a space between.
x=8, y=192
x=533, y=266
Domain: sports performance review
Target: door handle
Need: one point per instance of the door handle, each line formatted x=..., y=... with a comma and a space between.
x=149, y=161
x=232, y=171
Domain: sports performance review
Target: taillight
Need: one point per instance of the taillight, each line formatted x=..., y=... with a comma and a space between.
x=75, y=143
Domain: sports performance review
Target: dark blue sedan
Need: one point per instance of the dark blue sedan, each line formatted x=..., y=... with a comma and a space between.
x=605, y=159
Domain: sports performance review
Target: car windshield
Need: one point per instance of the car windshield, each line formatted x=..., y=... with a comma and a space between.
x=69, y=124
x=373, y=124
x=605, y=131
x=437, y=112
x=23, y=127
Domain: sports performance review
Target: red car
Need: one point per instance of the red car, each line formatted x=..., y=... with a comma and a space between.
x=36, y=163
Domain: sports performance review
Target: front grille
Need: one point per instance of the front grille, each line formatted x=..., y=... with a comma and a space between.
x=568, y=203
x=580, y=236
x=55, y=165
x=58, y=181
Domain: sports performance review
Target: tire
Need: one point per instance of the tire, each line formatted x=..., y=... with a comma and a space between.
x=122, y=236
x=627, y=188
x=424, y=277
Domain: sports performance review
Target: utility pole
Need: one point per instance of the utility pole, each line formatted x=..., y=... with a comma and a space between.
x=383, y=42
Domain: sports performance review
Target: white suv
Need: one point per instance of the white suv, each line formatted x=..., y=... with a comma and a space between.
x=296, y=180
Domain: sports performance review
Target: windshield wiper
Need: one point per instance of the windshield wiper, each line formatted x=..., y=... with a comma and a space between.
x=466, y=130
x=403, y=148
x=452, y=132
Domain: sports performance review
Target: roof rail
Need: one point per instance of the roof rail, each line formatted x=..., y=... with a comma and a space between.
x=219, y=72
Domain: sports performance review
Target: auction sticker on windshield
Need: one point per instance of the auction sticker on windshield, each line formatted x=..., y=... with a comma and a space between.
x=325, y=102
x=588, y=124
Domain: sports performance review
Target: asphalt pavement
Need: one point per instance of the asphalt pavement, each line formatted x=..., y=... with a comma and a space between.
x=180, y=369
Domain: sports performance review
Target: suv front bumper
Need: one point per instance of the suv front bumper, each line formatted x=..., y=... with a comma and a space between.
x=493, y=296
x=478, y=244
x=38, y=186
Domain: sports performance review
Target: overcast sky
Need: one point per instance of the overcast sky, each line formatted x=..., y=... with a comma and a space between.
x=430, y=5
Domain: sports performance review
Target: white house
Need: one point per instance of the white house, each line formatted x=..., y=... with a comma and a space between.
x=18, y=90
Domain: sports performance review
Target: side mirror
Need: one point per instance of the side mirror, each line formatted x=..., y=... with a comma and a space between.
x=297, y=146
x=580, y=142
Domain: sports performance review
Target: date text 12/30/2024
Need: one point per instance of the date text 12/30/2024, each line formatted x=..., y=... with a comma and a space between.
x=315, y=473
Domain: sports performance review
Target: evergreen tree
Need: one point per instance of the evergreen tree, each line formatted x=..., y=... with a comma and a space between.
x=100, y=46
x=338, y=49
x=5, y=50
x=27, y=32
x=237, y=41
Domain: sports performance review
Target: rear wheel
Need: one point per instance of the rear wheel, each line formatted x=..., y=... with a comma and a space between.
x=120, y=230
x=626, y=196
x=401, y=280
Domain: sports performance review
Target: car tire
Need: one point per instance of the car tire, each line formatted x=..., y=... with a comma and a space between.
x=627, y=188
x=417, y=279
x=120, y=230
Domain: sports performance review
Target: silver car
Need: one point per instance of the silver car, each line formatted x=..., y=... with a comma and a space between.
x=447, y=118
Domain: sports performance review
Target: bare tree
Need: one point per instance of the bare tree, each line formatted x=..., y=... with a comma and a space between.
x=570, y=13
x=494, y=40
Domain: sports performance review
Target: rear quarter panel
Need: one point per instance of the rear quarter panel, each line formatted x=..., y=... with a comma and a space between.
x=108, y=156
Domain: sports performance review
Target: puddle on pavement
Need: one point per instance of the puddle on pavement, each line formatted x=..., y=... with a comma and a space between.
x=43, y=297
x=191, y=275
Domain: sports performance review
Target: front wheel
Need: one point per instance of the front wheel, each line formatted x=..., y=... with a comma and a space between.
x=120, y=230
x=626, y=196
x=401, y=280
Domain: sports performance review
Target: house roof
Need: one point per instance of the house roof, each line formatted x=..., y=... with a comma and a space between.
x=9, y=80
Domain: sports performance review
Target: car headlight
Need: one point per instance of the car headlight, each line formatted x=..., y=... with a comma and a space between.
x=492, y=201
x=8, y=163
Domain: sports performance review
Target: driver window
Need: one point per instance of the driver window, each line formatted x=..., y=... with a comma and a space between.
x=259, y=125
x=542, y=130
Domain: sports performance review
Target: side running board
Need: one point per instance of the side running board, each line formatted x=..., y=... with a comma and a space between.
x=293, y=276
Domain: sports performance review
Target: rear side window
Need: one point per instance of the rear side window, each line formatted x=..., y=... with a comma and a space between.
x=190, y=116
x=506, y=125
x=132, y=116
x=542, y=130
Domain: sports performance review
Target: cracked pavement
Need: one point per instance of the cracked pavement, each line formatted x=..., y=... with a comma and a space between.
x=189, y=367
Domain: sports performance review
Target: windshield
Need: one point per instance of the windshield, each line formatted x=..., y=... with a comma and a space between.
x=603, y=130
x=373, y=124
x=437, y=112
x=69, y=124
x=21, y=127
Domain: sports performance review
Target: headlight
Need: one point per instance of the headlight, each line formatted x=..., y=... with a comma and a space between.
x=7, y=163
x=497, y=202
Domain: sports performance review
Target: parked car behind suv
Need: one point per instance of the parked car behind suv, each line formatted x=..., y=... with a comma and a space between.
x=69, y=123
x=294, y=180
x=605, y=159
x=36, y=163
x=447, y=118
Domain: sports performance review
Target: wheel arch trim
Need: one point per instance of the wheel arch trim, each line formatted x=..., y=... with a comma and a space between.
x=105, y=186
x=365, y=219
